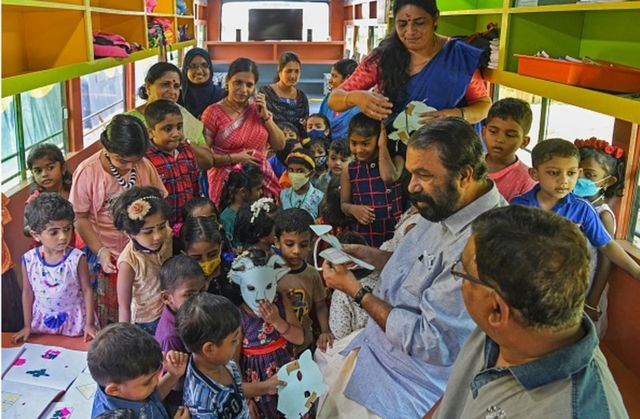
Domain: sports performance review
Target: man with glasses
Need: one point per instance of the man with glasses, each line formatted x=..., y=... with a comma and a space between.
x=534, y=354
x=398, y=366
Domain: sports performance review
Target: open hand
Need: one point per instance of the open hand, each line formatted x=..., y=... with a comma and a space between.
x=175, y=363
x=105, y=258
x=272, y=384
x=428, y=117
x=268, y=312
x=373, y=104
x=246, y=156
x=338, y=277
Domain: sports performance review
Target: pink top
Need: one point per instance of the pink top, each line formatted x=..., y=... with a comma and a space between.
x=513, y=180
x=93, y=189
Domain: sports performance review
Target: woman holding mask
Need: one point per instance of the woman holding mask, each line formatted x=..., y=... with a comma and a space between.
x=239, y=128
x=414, y=63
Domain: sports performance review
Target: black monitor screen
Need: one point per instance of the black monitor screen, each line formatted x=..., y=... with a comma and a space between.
x=275, y=24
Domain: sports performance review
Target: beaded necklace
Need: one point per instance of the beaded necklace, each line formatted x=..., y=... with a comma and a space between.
x=118, y=176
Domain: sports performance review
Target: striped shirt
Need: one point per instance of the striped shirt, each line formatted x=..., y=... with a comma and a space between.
x=207, y=399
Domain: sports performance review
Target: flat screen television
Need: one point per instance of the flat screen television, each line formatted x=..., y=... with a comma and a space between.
x=275, y=25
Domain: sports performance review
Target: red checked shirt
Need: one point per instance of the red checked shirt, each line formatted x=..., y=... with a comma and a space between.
x=179, y=173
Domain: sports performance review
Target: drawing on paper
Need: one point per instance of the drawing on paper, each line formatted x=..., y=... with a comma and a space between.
x=51, y=354
x=63, y=413
x=8, y=400
x=39, y=373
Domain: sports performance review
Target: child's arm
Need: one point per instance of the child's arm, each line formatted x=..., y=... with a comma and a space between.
x=288, y=328
x=263, y=388
x=390, y=168
x=124, y=287
x=85, y=229
x=322, y=313
x=621, y=259
x=175, y=364
x=87, y=293
x=363, y=214
x=203, y=155
x=27, y=306
x=601, y=277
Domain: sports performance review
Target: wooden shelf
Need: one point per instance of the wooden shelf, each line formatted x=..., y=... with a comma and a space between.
x=268, y=52
x=606, y=31
x=48, y=41
x=617, y=106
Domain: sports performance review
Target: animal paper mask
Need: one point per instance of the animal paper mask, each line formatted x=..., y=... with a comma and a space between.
x=304, y=386
x=333, y=254
x=407, y=121
x=258, y=282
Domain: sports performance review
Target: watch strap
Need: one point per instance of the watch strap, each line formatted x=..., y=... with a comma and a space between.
x=360, y=294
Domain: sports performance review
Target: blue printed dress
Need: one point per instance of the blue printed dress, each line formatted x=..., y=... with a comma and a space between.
x=264, y=351
x=58, y=303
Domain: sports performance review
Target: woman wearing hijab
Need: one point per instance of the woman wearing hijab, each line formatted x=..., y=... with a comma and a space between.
x=198, y=89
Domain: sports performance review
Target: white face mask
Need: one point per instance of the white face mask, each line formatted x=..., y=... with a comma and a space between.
x=298, y=180
x=258, y=282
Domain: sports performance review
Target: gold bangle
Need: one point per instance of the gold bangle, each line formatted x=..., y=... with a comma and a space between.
x=346, y=99
x=462, y=113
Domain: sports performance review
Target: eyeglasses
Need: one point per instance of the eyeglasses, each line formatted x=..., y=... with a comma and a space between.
x=201, y=66
x=457, y=270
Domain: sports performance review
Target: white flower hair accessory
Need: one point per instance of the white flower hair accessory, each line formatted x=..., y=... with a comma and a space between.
x=139, y=208
x=260, y=205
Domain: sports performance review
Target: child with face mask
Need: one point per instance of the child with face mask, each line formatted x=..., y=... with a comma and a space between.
x=302, y=194
x=602, y=179
x=268, y=324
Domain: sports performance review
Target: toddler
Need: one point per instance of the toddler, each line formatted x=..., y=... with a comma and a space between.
x=338, y=158
x=49, y=169
x=302, y=285
x=56, y=293
x=255, y=225
x=244, y=186
x=201, y=241
x=318, y=149
x=141, y=213
x=125, y=362
x=291, y=138
x=318, y=126
x=172, y=157
x=370, y=188
x=602, y=178
x=268, y=323
x=209, y=326
x=302, y=194
x=556, y=168
x=507, y=130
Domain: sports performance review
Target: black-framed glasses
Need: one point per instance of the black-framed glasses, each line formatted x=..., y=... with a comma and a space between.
x=457, y=270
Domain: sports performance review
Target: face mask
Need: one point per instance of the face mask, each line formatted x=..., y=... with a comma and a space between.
x=315, y=133
x=586, y=188
x=258, y=282
x=298, y=180
x=321, y=161
x=210, y=266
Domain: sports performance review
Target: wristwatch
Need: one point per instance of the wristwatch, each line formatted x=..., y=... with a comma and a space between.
x=360, y=294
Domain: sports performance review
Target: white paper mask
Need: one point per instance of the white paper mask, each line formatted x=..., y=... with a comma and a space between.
x=304, y=386
x=333, y=254
x=407, y=121
x=258, y=282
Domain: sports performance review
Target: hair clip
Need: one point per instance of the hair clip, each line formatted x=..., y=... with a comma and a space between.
x=598, y=144
x=139, y=208
x=259, y=205
x=237, y=168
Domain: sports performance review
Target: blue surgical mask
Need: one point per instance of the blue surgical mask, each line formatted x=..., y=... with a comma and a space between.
x=315, y=133
x=586, y=188
x=321, y=161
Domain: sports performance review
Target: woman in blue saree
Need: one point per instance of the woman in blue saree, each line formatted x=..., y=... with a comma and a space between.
x=414, y=63
x=339, y=121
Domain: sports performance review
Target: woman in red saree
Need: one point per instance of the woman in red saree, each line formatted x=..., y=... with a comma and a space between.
x=238, y=129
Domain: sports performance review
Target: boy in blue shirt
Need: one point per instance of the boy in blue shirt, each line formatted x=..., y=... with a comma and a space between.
x=209, y=326
x=556, y=168
x=125, y=361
